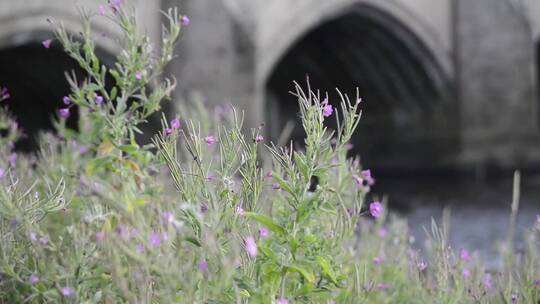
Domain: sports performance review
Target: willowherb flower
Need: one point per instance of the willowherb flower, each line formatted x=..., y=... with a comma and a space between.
x=422, y=265
x=210, y=140
x=12, y=159
x=382, y=286
x=378, y=260
x=47, y=43
x=154, y=239
x=100, y=236
x=2, y=172
x=276, y=186
x=375, y=209
x=251, y=246
x=139, y=75
x=204, y=208
x=34, y=279
x=185, y=20
x=44, y=241
x=168, y=131
x=4, y=94
x=168, y=217
x=282, y=301
x=269, y=174
x=464, y=255
x=327, y=108
x=175, y=124
x=64, y=113
x=466, y=273
x=240, y=211
x=66, y=100
x=210, y=178
x=514, y=299
x=33, y=236
x=259, y=138
x=487, y=282
x=537, y=282
x=68, y=292
x=383, y=232
x=203, y=265
x=366, y=174
x=263, y=233
x=115, y=5
x=99, y=100
x=139, y=248
x=101, y=10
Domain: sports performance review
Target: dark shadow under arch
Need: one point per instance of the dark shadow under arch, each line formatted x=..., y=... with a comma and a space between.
x=409, y=120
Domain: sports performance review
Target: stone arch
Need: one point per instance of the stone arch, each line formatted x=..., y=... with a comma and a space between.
x=409, y=119
x=35, y=75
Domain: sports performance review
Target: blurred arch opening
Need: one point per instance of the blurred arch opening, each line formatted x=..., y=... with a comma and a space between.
x=409, y=120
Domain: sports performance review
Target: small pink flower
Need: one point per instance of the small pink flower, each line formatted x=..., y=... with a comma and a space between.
x=44, y=241
x=47, y=43
x=203, y=265
x=185, y=20
x=12, y=159
x=2, y=172
x=240, y=211
x=383, y=232
x=33, y=279
x=154, y=239
x=282, y=301
x=101, y=10
x=251, y=246
x=139, y=248
x=464, y=255
x=263, y=233
x=100, y=236
x=168, y=131
x=466, y=273
x=68, y=292
x=99, y=100
x=64, y=113
x=33, y=236
x=382, y=286
x=175, y=124
x=259, y=138
x=328, y=110
x=168, y=217
x=139, y=75
x=375, y=209
x=488, y=284
x=537, y=282
x=210, y=178
x=422, y=265
x=378, y=260
x=514, y=299
x=269, y=174
x=210, y=140
x=276, y=187
x=66, y=100
x=366, y=174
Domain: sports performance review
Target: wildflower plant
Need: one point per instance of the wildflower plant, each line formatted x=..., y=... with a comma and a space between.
x=198, y=216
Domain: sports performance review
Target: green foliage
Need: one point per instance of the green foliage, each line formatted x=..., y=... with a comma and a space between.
x=96, y=218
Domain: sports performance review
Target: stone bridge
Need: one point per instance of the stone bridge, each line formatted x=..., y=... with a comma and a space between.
x=445, y=84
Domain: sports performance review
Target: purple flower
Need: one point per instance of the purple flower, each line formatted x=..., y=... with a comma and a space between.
x=64, y=113
x=366, y=174
x=514, y=299
x=240, y=211
x=66, y=100
x=47, y=43
x=378, y=260
x=2, y=172
x=210, y=178
x=138, y=75
x=382, y=286
x=537, y=282
x=328, y=110
x=33, y=279
x=466, y=273
x=4, y=94
x=175, y=123
x=44, y=241
x=276, y=187
x=33, y=236
x=422, y=265
x=464, y=255
x=259, y=138
x=203, y=265
x=269, y=174
x=488, y=284
x=168, y=217
x=251, y=246
x=383, y=232
x=359, y=181
x=12, y=159
x=204, y=209
x=99, y=100
x=375, y=209
x=139, y=248
x=210, y=140
x=101, y=10
x=282, y=301
x=68, y=292
x=115, y=5
x=263, y=233
x=185, y=20
x=168, y=131
x=154, y=239
x=100, y=236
